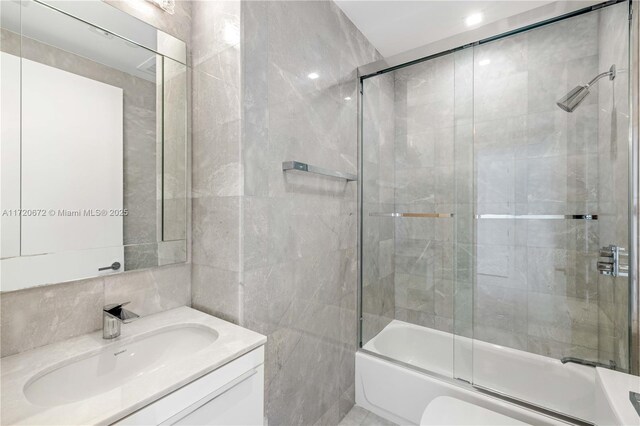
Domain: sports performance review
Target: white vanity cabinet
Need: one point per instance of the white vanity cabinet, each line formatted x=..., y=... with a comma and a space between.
x=230, y=395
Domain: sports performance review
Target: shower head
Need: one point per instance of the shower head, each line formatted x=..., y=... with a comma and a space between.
x=574, y=98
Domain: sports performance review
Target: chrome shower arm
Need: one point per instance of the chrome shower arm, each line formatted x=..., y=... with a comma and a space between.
x=611, y=74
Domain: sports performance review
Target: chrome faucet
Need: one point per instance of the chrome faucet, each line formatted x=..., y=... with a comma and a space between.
x=112, y=318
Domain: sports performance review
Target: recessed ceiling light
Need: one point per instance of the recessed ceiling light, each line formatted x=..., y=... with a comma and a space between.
x=313, y=75
x=474, y=19
x=348, y=98
x=484, y=62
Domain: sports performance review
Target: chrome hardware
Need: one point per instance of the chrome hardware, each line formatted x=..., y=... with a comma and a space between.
x=115, y=266
x=304, y=167
x=432, y=215
x=539, y=216
x=611, y=261
x=113, y=316
x=612, y=364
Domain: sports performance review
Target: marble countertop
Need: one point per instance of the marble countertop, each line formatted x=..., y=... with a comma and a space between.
x=16, y=370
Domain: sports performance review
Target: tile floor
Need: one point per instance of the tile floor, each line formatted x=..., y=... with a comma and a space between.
x=358, y=416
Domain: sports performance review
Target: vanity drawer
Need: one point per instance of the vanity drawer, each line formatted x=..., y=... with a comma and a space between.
x=231, y=395
x=236, y=404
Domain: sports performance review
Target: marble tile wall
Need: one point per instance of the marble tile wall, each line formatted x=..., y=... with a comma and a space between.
x=42, y=315
x=274, y=251
x=217, y=169
x=38, y=316
x=299, y=230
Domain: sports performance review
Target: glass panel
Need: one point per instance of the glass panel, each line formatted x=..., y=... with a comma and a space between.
x=538, y=296
x=378, y=269
x=413, y=120
x=464, y=221
x=613, y=190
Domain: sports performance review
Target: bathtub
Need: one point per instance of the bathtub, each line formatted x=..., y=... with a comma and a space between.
x=401, y=393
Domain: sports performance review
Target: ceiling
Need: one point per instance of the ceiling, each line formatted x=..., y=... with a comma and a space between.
x=48, y=26
x=397, y=26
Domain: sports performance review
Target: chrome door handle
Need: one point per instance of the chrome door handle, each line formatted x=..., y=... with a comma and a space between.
x=115, y=266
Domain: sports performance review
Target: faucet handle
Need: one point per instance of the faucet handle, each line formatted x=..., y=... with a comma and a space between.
x=116, y=311
x=111, y=306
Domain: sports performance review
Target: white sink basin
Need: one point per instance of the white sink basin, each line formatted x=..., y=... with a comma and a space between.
x=117, y=364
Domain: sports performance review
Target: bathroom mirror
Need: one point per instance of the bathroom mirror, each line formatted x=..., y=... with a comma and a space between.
x=93, y=146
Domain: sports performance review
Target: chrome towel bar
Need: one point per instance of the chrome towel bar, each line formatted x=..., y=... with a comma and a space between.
x=432, y=215
x=539, y=216
x=304, y=167
x=495, y=216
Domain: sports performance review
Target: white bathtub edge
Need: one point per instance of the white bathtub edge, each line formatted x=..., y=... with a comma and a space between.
x=401, y=394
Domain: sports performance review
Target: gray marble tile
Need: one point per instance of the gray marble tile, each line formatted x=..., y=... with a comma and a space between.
x=217, y=165
x=358, y=416
x=415, y=293
x=501, y=308
x=216, y=292
x=293, y=237
x=500, y=97
x=215, y=28
x=563, y=319
x=150, y=291
x=565, y=40
x=44, y=315
x=140, y=256
x=215, y=102
x=216, y=232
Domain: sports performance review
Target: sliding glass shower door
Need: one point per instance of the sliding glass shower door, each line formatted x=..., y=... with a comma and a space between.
x=551, y=177
x=416, y=157
x=495, y=210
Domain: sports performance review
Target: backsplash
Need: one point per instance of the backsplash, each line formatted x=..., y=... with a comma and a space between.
x=48, y=314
